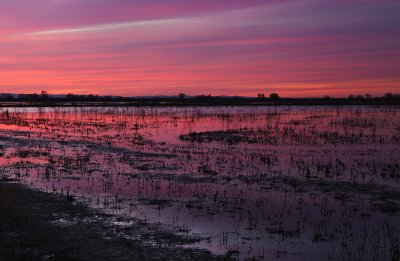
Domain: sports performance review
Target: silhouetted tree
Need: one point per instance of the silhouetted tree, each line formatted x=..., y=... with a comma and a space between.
x=44, y=95
x=92, y=97
x=274, y=96
x=204, y=97
x=6, y=97
x=181, y=96
x=261, y=96
x=70, y=97
x=388, y=95
x=32, y=97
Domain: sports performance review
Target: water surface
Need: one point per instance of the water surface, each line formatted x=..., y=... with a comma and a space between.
x=287, y=183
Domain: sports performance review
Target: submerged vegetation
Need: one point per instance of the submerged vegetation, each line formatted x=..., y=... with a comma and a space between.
x=279, y=182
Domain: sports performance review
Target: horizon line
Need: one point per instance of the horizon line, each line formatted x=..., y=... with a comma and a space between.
x=366, y=95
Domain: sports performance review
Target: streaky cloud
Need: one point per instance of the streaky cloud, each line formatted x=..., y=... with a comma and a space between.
x=104, y=27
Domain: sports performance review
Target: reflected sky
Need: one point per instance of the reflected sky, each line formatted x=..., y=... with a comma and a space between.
x=282, y=182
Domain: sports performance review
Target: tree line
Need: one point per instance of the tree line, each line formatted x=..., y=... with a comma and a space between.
x=181, y=98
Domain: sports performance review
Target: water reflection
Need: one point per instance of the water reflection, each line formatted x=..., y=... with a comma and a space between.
x=291, y=183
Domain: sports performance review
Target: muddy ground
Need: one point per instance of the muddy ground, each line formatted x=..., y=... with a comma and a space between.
x=40, y=226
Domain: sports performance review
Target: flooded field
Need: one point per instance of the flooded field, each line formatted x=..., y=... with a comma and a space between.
x=263, y=183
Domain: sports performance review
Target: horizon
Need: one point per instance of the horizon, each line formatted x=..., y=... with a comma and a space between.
x=237, y=48
x=188, y=95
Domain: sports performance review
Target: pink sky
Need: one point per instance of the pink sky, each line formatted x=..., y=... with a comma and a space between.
x=237, y=47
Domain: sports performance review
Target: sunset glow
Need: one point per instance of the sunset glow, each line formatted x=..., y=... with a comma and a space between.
x=121, y=47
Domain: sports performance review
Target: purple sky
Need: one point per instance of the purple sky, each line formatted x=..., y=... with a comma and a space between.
x=122, y=47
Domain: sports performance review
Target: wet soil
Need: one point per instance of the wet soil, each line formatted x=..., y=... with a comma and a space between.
x=40, y=226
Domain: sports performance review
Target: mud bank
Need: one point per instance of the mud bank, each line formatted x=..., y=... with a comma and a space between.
x=40, y=226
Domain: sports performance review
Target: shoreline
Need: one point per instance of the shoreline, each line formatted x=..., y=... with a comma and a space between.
x=191, y=104
x=36, y=225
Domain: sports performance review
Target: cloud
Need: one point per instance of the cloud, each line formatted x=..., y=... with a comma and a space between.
x=105, y=27
x=227, y=48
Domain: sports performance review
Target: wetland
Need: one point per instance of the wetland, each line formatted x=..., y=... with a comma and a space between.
x=191, y=183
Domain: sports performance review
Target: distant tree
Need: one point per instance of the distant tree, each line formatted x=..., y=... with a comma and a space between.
x=326, y=97
x=388, y=95
x=181, y=96
x=359, y=97
x=368, y=96
x=32, y=97
x=261, y=96
x=204, y=97
x=6, y=97
x=351, y=97
x=70, y=96
x=274, y=96
x=92, y=97
x=44, y=95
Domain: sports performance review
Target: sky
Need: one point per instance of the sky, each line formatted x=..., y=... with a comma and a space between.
x=303, y=48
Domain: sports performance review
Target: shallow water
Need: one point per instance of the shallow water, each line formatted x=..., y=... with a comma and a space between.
x=287, y=183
